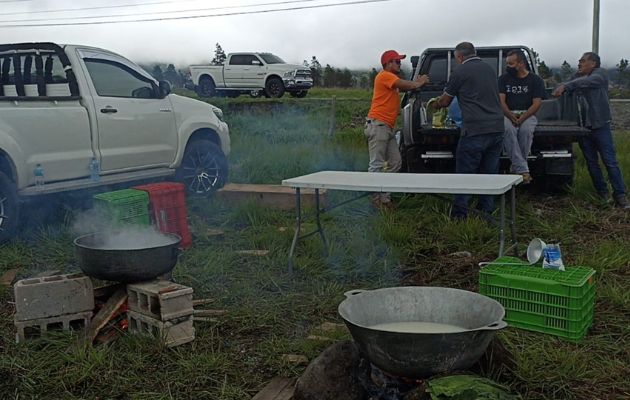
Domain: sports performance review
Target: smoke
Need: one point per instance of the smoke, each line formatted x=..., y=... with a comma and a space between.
x=110, y=234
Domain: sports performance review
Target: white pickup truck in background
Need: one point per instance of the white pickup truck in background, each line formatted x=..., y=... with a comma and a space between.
x=252, y=73
x=64, y=108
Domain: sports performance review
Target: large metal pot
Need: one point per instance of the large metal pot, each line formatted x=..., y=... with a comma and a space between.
x=127, y=265
x=420, y=355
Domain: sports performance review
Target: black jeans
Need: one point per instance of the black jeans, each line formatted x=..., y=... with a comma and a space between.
x=478, y=154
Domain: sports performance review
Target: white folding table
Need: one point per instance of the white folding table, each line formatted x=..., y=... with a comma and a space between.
x=471, y=184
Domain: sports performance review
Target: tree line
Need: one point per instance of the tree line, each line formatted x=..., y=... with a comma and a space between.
x=331, y=76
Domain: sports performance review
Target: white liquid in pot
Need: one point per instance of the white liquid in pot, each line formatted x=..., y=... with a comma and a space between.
x=417, y=327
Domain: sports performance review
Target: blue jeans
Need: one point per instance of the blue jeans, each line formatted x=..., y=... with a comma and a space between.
x=479, y=154
x=599, y=143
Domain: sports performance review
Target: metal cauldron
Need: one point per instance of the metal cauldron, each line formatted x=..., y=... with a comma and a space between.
x=126, y=265
x=420, y=355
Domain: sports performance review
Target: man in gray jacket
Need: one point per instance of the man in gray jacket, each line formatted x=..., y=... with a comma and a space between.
x=591, y=84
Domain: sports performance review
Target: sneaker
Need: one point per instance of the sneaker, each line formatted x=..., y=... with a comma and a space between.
x=622, y=202
x=527, y=178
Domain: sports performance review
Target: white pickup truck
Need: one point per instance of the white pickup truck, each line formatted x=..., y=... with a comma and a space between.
x=66, y=108
x=252, y=73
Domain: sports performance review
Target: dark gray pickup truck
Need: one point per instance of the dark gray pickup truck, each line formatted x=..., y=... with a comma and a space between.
x=428, y=149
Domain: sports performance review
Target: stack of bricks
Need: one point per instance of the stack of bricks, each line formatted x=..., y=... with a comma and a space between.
x=59, y=302
x=162, y=309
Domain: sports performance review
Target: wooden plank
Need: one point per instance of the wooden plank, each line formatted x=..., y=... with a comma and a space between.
x=272, y=196
x=332, y=327
x=279, y=388
x=198, y=302
x=296, y=359
x=257, y=253
x=105, y=314
x=319, y=338
x=8, y=277
x=209, y=313
x=105, y=292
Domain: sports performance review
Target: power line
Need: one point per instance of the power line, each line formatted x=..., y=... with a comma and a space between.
x=13, y=1
x=347, y=3
x=91, y=8
x=156, y=12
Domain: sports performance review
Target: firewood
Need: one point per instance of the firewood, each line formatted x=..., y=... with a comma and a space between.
x=106, y=313
x=209, y=313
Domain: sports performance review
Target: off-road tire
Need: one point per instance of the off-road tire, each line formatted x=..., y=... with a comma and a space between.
x=9, y=208
x=274, y=87
x=204, y=168
x=206, y=87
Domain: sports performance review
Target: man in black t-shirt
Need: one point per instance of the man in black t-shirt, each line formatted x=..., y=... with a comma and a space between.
x=474, y=83
x=520, y=92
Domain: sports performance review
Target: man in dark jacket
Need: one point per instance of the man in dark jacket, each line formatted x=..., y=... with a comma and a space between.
x=591, y=84
x=474, y=83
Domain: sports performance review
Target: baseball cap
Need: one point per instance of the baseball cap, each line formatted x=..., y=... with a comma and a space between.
x=390, y=55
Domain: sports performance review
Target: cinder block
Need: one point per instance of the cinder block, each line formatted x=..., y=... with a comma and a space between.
x=37, y=328
x=174, y=332
x=160, y=299
x=272, y=196
x=51, y=296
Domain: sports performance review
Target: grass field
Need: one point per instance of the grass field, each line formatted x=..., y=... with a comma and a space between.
x=271, y=312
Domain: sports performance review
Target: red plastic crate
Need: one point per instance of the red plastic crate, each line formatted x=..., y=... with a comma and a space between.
x=168, y=209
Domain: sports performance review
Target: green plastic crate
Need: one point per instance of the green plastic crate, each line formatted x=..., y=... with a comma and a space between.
x=543, y=300
x=128, y=206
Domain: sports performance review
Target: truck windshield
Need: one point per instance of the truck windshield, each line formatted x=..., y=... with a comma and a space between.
x=272, y=58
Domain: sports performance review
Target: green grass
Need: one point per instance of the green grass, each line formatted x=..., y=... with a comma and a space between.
x=271, y=312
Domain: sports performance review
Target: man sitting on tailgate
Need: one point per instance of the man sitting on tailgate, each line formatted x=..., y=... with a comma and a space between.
x=520, y=92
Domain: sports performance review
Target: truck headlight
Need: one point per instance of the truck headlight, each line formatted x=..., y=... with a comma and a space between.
x=289, y=74
x=218, y=112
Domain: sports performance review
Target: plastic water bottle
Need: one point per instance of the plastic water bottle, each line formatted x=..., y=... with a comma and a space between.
x=95, y=170
x=38, y=173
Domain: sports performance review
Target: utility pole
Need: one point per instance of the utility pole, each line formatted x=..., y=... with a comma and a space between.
x=596, y=26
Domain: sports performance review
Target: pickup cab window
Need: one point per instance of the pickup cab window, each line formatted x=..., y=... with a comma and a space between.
x=272, y=58
x=112, y=79
x=243, y=59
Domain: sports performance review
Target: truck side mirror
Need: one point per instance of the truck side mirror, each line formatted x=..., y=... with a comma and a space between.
x=165, y=89
x=256, y=62
x=414, y=61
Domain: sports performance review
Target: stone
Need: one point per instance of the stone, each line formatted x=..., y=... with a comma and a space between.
x=332, y=375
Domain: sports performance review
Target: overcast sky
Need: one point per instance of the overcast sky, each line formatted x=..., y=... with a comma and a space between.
x=351, y=36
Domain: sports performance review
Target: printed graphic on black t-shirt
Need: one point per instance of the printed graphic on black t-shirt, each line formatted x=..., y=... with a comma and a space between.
x=520, y=92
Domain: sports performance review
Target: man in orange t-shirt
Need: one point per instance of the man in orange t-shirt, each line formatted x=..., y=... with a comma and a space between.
x=380, y=121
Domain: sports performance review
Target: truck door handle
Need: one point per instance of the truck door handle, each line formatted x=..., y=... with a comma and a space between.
x=109, y=110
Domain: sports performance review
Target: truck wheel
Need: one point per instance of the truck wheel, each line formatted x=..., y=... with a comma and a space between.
x=9, y=208
x=299, y=94
x=274, y=87
x=206, y=87
x=204, y=168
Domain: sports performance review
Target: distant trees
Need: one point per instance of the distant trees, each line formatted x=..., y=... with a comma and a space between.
x=566, y=71
x=157, y=73
x=623, y=74
x=335, y=77
x=219, y=55
x=316, y=71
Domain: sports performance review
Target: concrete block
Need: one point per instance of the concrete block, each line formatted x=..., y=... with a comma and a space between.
x=51, y=296
x=272, y=196
x=173, y=333
x=36, y=328
x=160, y=299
